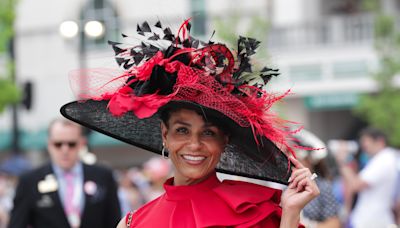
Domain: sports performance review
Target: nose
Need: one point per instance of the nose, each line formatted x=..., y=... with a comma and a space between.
x=195, y=142
x=64, y=148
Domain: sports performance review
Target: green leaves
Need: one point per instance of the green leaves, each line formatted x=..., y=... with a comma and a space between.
x=7, y=16
x=382, y=109
x=9, y=93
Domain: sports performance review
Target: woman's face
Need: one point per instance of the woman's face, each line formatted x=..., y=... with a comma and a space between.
x=194, y=146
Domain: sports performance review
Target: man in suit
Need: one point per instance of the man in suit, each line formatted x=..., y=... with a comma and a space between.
x=66, y=193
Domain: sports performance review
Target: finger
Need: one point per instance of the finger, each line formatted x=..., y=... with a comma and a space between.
x=298, y=172
x=312, y=188
x=302, y=184
x=296, y=163
x=299, y=178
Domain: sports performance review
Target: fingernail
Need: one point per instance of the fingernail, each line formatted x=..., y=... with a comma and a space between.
x=290, y=179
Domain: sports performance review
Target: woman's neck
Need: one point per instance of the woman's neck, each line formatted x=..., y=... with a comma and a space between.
x=181, y=180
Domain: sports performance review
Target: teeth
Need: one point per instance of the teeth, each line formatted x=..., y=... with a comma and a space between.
x=194, y=158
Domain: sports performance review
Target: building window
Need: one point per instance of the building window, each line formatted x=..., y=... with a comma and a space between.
x=102, y=11
x=350, y=69
x=301, y=73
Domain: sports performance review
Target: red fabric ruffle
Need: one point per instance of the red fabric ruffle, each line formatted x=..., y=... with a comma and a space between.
x=212, y=204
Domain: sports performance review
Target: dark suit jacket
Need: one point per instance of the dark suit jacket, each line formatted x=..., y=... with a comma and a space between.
x=45, y=210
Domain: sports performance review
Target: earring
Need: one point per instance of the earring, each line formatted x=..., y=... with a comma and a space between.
x=164, y=152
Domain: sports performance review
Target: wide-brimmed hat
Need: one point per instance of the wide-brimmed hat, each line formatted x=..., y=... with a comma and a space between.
x=163, y=70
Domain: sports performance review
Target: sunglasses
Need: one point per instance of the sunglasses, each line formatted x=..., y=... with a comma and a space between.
x=71, y=144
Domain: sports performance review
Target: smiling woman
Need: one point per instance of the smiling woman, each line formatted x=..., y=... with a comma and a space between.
x=194, y=146
x=214, y=117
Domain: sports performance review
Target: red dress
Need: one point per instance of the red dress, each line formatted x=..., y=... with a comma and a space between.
x=211, y=203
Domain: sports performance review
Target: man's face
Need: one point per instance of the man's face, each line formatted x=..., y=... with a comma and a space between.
x=370, y=145
x=64, y=143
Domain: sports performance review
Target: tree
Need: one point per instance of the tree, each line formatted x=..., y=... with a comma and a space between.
x=9, y=93
x=382, y=109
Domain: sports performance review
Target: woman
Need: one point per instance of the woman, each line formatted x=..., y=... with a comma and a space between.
x=215, y=117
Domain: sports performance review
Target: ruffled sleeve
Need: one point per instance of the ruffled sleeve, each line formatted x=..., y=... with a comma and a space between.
x=238, y=204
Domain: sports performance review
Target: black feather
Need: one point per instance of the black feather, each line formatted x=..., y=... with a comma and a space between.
x=113, y=42
x=167, y=31
x=117, y=50
x=158, y=24
x=169, y=37
x=146, y=27
x=160, y=82
x=168, y=34
x=212, y=35
x=120, y=61
x=138, y=58
x=154, y=37
x=186, y=43
x=127, y=65
x=138, y=28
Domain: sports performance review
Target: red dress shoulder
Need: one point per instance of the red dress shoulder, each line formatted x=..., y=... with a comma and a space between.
x=211, y=203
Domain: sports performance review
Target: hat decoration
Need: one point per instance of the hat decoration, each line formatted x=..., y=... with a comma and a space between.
x=162, y=68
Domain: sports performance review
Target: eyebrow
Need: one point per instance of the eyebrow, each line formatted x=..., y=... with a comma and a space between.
x=181, y=122
x=207, y=124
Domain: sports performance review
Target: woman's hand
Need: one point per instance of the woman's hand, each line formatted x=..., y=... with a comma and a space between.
x=301, y=190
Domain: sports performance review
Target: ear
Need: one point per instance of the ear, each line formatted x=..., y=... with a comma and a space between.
x=84, y=141
x=164, y=131
x=226, y=139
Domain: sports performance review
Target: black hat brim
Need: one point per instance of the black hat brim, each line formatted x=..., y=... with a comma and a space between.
x=242, y=156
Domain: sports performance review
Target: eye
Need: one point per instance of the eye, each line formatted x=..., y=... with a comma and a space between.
x=182, y=130
x=209, y=132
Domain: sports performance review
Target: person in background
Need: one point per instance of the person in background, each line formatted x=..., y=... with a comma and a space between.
x=65, y=192
x=6, y=192
x=375, y=183
x=130, y=196
x=157, y=170
x=323, y=211
x=10, y=170
x=396, y=198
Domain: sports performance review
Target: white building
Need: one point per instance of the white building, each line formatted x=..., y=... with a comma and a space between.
x=323, y=48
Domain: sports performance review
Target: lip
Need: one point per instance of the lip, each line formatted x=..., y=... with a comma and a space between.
x=193, y=159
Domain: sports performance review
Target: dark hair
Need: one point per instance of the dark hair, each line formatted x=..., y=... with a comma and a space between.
x=374, y=133
x=208, y=115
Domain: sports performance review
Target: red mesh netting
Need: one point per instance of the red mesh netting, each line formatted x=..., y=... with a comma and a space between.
x=247, y=111
x=192, y=85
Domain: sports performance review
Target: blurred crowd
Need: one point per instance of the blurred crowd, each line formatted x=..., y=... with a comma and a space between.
x=348, y=172
x=139, y=185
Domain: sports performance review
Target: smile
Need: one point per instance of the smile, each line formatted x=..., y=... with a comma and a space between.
x=193, y=159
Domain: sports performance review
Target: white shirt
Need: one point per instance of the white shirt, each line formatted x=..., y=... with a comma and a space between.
x=79, y=199
x=374, y=204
